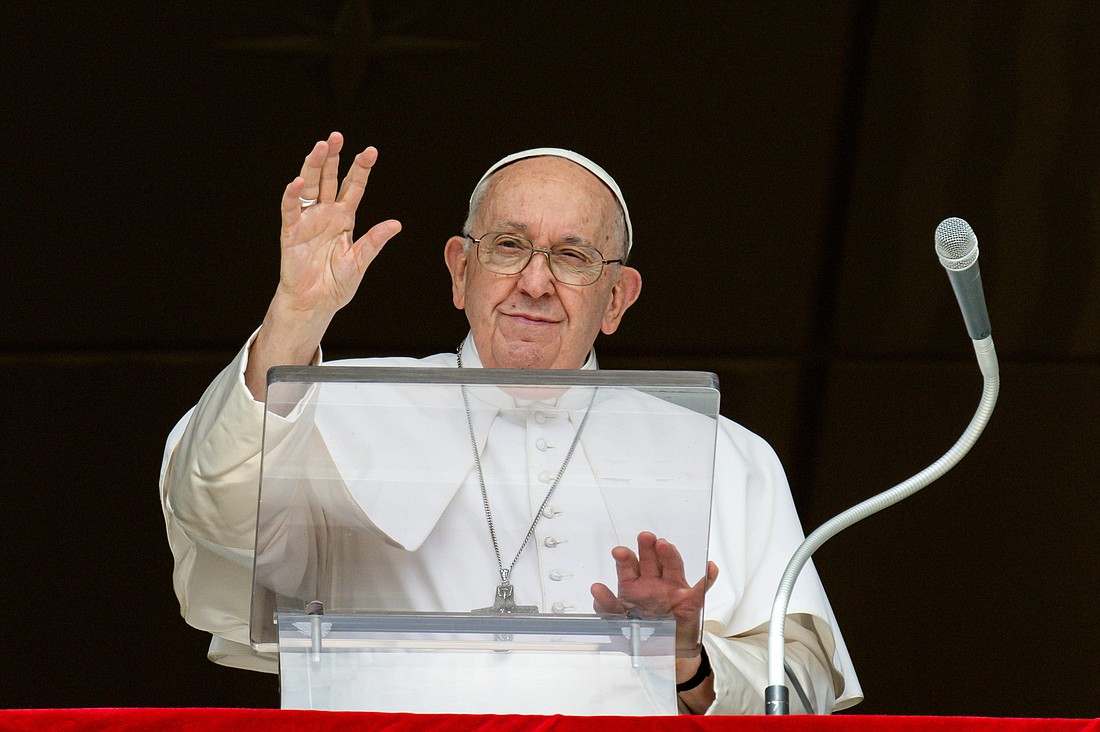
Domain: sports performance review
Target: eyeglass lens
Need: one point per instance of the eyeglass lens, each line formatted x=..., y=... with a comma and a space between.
x=572, y=264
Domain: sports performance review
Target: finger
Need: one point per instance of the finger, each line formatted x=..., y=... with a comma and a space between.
x=700, y=588
x=291, y=206
x=355, y=182
x=626, y=564
x=368, y=245
x=605, y=601
x=672, y=564
x=330, y=169
x=648, y=563
x=311, y=170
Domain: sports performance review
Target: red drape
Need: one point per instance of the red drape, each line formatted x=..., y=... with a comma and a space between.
x=274, y=720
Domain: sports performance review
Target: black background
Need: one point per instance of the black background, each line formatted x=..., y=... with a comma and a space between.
x=785, y=166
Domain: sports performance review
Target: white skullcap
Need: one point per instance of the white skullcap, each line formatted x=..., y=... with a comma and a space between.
x=580, y=160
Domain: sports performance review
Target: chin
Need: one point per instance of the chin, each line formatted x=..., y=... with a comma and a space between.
x=527, y=356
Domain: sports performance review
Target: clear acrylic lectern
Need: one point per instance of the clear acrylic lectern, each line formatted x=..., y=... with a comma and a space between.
x=427, y=538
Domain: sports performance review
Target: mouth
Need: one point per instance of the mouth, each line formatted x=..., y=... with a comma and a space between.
x=533, y=319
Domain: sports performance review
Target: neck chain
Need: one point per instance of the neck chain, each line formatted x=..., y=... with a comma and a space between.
x=504, y=601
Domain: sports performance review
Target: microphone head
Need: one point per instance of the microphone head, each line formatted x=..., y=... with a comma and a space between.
x=956, y=244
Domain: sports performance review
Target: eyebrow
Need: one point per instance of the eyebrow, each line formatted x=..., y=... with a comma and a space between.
x=523, y=229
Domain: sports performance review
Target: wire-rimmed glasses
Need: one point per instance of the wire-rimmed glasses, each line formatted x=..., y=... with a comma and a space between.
x=571, y=264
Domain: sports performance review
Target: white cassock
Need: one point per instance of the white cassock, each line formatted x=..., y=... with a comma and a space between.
x=429, y=546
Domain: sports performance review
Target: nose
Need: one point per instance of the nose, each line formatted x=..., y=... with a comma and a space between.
x=536, y=279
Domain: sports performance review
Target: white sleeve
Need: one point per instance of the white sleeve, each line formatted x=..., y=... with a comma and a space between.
x=755, y=531
x=209, y=491
x=740, y=668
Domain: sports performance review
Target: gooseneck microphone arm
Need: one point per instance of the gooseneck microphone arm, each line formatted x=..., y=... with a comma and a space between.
x=777, y=696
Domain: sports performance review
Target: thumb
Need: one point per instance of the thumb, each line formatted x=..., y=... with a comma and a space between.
x=368, y=245
x=605, y=601
x=706, y=582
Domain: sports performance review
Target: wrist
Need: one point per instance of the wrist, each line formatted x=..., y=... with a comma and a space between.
x=290, y=310
x=285, y=339
x=701, y=673
x=292, y=332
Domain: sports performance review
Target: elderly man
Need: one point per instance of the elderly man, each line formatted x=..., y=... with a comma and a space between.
x=525, y=311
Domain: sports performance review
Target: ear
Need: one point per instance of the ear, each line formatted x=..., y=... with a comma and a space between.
x=455, y=254
x=623, y=294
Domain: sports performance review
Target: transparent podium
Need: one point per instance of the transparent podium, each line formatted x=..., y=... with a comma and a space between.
x=428, y=538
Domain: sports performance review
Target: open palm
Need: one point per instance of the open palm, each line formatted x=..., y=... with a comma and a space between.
x=322, y=263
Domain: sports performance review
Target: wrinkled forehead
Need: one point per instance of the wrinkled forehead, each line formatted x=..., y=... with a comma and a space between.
x=568, y=189
x=591, y=167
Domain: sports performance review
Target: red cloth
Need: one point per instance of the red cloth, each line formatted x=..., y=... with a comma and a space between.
x=275, y=720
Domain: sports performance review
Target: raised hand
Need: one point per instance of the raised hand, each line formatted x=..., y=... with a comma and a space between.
x=653, y=581
x=321, y=264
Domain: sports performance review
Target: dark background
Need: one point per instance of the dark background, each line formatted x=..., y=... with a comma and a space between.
x=785, y=166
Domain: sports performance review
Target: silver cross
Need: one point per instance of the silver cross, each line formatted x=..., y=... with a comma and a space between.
x=505, y=603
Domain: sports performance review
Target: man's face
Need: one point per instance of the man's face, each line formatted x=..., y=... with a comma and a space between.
x=530, y=320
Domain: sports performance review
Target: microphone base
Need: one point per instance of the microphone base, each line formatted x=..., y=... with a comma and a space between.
x=777, y=700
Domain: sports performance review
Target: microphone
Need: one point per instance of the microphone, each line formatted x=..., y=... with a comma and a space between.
x=957, y=247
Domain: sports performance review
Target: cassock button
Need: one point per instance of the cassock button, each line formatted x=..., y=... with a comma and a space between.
x=541, y=417
x=551, y=512
x=560, y=608
x=551, y=542
x=545, y=477
x=558, y=575
x=541, y=444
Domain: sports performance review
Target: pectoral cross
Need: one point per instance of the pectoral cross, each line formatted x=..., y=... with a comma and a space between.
x=505, y=603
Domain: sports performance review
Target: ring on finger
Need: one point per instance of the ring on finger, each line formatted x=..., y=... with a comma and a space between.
x=307, y=202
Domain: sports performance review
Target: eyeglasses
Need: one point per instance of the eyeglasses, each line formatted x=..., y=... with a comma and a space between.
x=571, y=264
